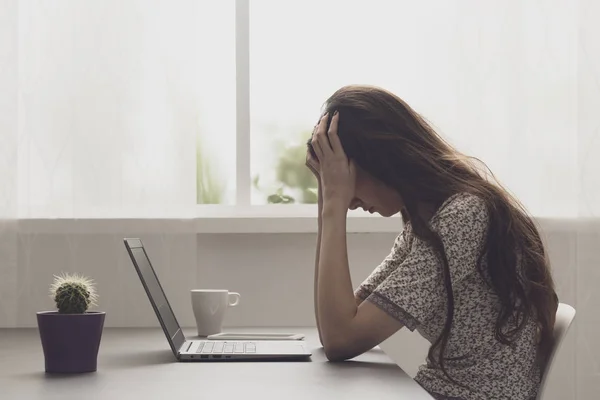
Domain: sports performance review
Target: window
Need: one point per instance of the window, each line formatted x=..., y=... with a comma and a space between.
x=301, y=52
x=497, y=79
x=185, y=103
x=117, y=101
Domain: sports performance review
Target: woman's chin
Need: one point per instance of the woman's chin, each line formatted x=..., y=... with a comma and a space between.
x=387, y=213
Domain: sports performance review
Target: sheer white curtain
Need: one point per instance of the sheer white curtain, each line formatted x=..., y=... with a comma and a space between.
x=99, y=115
x=497, y=78
x=8, y=161
x=588, y=111
x=108, y=113
x=109, y=95
x=585, y=241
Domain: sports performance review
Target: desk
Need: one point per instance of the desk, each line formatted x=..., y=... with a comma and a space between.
x=138, y=364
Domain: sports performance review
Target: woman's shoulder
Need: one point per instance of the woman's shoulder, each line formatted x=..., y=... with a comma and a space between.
x=465, y=210
x=460, y=205
x=463, y=201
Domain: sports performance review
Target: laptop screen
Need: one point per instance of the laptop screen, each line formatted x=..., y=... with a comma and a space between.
x=155, y=293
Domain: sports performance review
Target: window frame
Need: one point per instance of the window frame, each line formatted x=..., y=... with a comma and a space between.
x=243, y=216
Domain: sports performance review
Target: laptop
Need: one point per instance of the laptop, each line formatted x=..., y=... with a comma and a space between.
x=204, y=350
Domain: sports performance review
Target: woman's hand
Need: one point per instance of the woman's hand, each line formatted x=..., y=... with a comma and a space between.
x=337, y=172
x=311, y=161
x=313, y=164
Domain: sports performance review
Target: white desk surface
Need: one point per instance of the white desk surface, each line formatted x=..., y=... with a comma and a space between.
x=138, y=364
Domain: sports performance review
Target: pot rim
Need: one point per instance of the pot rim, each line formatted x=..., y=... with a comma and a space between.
x=55, y=312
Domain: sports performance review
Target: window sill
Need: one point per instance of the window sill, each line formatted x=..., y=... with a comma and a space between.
x=256, y=221
x=215, y=224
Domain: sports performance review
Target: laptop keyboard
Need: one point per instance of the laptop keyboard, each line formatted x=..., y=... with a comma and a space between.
x=218, y=347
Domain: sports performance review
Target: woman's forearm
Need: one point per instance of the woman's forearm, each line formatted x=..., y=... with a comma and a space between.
x=336, y=304
x=318, y=252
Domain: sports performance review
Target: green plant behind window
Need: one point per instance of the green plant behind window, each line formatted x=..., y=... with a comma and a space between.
x=293, y=176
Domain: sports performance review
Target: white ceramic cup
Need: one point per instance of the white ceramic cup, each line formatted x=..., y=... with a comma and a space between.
x=209, y=309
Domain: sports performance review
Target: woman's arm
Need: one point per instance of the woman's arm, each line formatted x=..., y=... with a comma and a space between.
x=335, y=294
x=313, y=165
x=347, y=328
x=318, y=251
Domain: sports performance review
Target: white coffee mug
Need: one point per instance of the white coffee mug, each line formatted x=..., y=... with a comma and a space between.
x=209, y=309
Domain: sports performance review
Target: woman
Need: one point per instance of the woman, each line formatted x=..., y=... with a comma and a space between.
x=469, y=271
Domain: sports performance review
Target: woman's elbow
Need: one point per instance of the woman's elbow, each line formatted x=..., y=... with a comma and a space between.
x=337, y=352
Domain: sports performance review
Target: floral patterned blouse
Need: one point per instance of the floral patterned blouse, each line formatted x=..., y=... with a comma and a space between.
x=409, y=286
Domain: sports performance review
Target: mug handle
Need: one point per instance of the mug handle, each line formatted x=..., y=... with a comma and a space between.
x=236, y=300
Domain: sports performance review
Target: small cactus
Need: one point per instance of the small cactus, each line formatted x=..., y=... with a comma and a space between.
x=73, y=293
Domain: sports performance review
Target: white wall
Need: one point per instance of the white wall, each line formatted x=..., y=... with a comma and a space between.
x=274, y=273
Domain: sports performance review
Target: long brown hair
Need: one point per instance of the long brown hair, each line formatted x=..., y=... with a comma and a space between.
x=393, y=143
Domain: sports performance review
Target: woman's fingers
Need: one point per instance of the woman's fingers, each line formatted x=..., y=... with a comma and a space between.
x=322, y=138
x=317, y=143
x=332, y=133
x=312, y=163
x=310, y=159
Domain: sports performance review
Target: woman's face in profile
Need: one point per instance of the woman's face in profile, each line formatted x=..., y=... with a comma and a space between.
x=374, y=196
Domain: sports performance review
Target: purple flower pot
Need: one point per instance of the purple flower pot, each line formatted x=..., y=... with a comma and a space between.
x=70, y=341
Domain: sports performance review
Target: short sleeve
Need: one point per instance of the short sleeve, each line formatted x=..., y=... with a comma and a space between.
x=414, y=292
x=398, y=253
